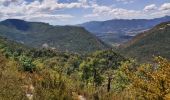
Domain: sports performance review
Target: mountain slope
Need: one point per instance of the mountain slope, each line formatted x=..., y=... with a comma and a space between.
x=121, y=30
x=62, y=38
x=155, y=42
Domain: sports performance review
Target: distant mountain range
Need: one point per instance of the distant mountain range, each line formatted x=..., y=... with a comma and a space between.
x=42, y=35
x=121, y=30
x=155, y=42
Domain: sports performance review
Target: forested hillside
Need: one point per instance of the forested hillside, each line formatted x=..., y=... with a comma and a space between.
x=154, y=42
x=42, y=35
x=46, y=74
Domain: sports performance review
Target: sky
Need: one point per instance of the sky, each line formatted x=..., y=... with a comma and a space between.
x=71, y=12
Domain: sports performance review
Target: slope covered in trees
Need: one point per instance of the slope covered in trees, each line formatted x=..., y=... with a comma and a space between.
x=154, y=42
x=46, y=74
x=61, y=38
x=102, y=75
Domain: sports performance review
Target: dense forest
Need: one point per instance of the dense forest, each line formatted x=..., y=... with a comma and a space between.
x=45, y=74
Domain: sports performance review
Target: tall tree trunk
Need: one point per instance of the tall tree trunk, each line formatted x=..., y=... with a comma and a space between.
x=94, y=78
x=109, y=83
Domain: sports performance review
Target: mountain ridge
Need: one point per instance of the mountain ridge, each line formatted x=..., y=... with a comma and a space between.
x=62, y=38
x=115, y=31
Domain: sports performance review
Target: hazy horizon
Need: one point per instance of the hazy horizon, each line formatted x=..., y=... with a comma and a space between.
x=83, y=22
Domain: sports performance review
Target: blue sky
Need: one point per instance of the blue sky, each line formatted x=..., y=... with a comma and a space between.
x=63, y=12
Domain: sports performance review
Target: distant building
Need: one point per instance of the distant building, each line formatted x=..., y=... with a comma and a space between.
x=45, y=45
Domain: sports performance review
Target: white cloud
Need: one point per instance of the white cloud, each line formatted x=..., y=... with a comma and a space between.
x=113, y=12
x=47, y=16
x=126, y=1
x=47, y=10
x=83, y=1
x=165, y=6
x=37, y=9
x=149, y=11
x=53, y=5
x=91, y=15
x=101, y=9
x=124, y=13
x=160, y=13
x=8, y=2
x=150, y=7
x=163, y=10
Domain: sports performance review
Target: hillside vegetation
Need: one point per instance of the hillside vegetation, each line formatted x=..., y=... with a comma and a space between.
x=44, y=74
x=154, y=42
x=78, y=70
x=48, y=74
x=40, y=35
x=81, y=69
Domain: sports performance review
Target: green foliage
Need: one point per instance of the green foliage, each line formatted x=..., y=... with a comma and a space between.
x=146, y=81
x=121, y=80
x=62, y=38
x=154, y=42
x=27, y=64
x=99, y=67
x=102, y=75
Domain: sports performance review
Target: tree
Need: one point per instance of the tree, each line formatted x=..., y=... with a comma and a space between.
x=149, y=81
x=99, y=67
x=27, y=63
x=110, y=75
x=91, y=71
